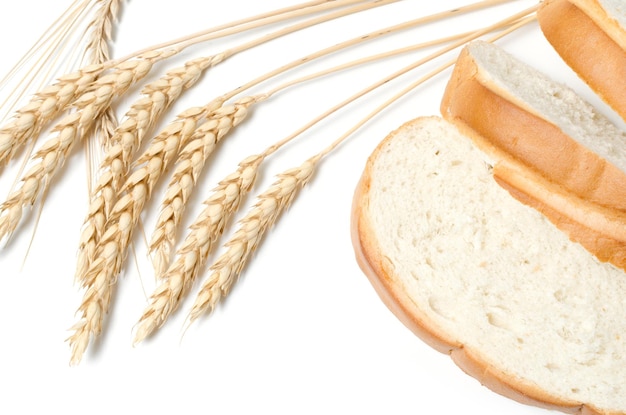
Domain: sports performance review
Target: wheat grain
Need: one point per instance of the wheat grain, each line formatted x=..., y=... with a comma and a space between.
x=239, y=249
x=189, y=165
x=51, y=156
x=224, y=201
x=126, y=139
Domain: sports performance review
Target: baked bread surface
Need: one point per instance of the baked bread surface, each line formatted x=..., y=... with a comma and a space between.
x=557, y=142
x=590, y=36
x=490, y=281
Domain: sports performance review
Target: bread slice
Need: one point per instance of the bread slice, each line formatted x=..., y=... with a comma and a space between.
x=590, y=36
x=490, y=281
x=569, y=160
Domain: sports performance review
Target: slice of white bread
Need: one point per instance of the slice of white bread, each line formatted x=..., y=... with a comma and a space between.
x=487, y=279
x=590, y=36
x=570, y=160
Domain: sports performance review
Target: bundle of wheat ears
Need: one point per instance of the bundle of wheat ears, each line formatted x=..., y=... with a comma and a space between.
x=78, y=108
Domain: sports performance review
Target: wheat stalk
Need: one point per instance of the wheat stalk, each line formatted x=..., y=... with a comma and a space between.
x=228, y=267
x=187, y=171
x=126, y=139
x=190, y=163
x=51, y=156
x=41, y=58
x=48, y=103
x=112, y=248
x=191, y=257
x=224, y=201
x=270, y=204
x=107, y=187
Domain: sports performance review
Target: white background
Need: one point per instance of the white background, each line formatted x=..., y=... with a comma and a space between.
x=302, y=331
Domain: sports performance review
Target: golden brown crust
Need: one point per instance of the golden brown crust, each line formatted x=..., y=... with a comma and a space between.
x=583, y=194
x=532, y=140
x=396, y=298
x=580, y=30
x=600, y=233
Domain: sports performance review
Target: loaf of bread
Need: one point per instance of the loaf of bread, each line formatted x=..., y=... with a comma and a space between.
x=590, y=36
x=487, y=279
x=556, y=152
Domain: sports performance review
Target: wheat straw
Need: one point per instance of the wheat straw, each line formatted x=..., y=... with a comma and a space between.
x=111, y=249
x=191, y=257
x=28, y=121
x=190, y=163
x=40, y=58
x=116, y=161
x=228, y=267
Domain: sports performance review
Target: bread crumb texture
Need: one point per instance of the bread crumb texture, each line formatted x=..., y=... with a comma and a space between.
x=556, y=102
x=493, y=273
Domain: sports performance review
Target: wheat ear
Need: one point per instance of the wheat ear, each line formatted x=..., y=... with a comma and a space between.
x=50, y=157
x=100, y=29
x=99, y=33
x=189, y=165
x=270, y=204
x=44, y=106
x=112, y=248
x=126, y=139
x=224, y=201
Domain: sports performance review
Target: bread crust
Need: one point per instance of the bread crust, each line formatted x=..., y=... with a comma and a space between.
x=394, y=296
x=601, y=233
x=577, y=30
x=582, y=194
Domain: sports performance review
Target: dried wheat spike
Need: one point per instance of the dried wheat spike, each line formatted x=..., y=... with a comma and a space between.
x=51, y=156
x=188, y=168
x=224, y=201
x=100, y=30
x=126, y=139
x=44, y=106
x=98, y=51
x=239, y=249
x=111, y=250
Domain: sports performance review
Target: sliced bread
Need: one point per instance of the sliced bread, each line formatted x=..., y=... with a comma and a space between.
x=557, y=152
x=490, y=281
x=590, y=36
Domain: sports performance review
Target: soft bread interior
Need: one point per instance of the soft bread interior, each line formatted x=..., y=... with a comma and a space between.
x=479, y=270
x=552, y=101
x=590, y=36
x=525, y=120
